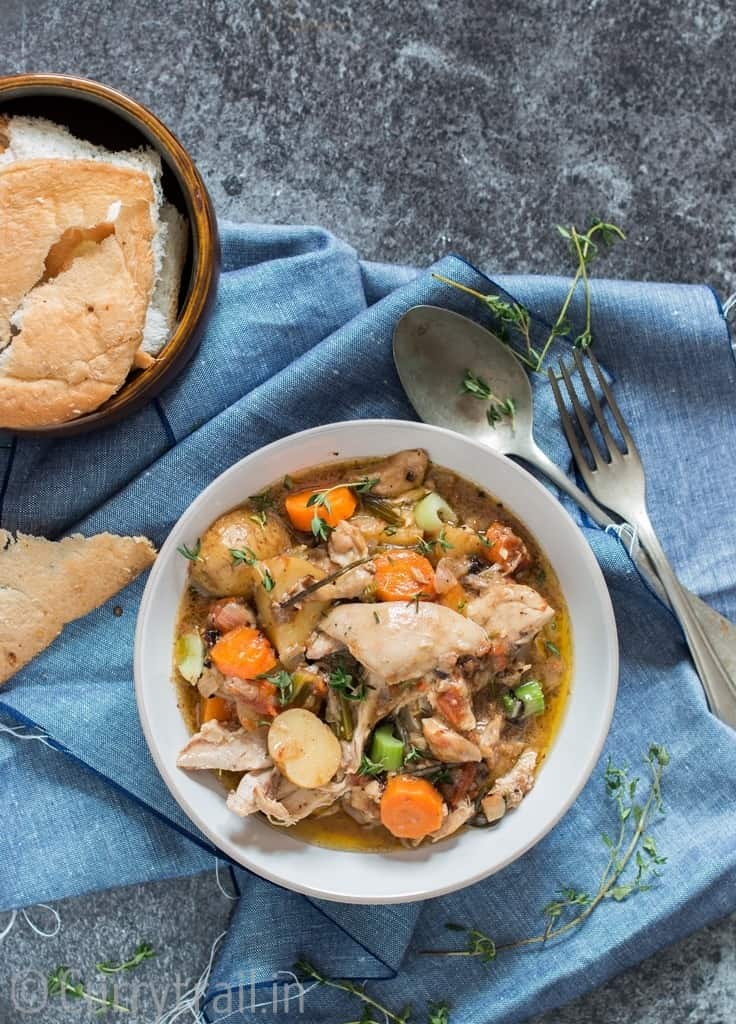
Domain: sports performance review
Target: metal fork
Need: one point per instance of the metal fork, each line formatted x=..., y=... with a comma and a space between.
x=618, y=482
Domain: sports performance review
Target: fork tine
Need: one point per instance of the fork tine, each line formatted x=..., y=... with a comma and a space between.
x=613, y=406
x=582, y=418
x=568, y=428
x=595, y=405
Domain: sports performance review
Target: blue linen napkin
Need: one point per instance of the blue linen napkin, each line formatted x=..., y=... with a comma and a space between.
x=300, y=336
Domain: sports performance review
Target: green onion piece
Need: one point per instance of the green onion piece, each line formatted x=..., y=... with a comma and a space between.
x=189, y=654
x=531, y=696
x=387, y=749
x=512, y=706
x=432, y=513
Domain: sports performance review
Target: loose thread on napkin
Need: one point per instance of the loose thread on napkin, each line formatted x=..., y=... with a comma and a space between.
x=18, y=732
x=228, y=895
x=34, y=928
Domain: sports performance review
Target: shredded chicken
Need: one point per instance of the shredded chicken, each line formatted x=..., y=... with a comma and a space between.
x=451, y=698
x=450, y=570
x=400, y=472
x=448, y=745
x=346, y=544
x=510, y=611
x=226, y=748
x=488, y=734
x=399, y=641
x=516, y=783
x=454, y=820
x=363, y=801
x=252, y=788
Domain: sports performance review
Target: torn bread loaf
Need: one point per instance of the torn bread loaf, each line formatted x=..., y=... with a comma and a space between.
x=45, y=584
x=61, y=200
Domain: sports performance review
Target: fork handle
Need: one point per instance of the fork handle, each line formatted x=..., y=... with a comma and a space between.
x=719, y=688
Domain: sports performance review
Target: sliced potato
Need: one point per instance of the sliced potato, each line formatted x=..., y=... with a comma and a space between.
x=290, y=636
x=217, y=572
x=304, y=749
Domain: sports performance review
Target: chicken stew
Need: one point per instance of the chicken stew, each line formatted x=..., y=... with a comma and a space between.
x=374, y=653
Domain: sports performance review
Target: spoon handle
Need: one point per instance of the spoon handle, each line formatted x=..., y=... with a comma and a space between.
x=719, y=630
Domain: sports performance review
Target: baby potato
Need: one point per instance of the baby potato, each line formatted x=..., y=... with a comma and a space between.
x=288, y=634
x=303, y=748
x=216, y=572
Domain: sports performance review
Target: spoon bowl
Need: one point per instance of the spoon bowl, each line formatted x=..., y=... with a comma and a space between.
x=433, y=349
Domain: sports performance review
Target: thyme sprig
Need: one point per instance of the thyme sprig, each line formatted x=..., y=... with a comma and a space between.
x=191, y=553
x=585, y=247
x=247, y=556
x=344, y=683
x=438, y=1013
x=631, y=845
x=320, y=499
x=144, y=951
x=299, y=595
x=283, y=682
x=61, y=982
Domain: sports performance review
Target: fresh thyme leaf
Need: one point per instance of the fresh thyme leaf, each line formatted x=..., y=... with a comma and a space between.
x=376, y=617
x=412, y=754
x=552, y=648
x=283, y=682
x=143, y=952
x=439, y=1013
x=630, y=845
x=320, y=528
x=344, y=683
x=368, y=767
x=192, y=553
x=243, y=556
x=424, y=547
x=267, y=581
x=260, y=518
x=443, y=541
x=262, y=501
x=415, y=601
x=476, y=386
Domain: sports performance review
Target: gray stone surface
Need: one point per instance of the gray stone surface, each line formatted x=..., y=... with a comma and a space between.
x=411, y=129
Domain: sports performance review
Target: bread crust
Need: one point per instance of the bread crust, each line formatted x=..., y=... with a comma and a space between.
x=45, y=584
x=71, y=340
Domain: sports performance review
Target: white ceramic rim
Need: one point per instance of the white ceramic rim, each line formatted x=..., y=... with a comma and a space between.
x=404, y=876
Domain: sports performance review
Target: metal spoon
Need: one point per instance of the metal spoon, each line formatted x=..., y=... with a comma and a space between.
x=433, y=348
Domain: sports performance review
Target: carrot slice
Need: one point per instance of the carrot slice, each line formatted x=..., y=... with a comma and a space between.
x=411, y=808
x=216, y=709
x=341, y=503
x=402, y=575
x=505, y=549
x=244, y=652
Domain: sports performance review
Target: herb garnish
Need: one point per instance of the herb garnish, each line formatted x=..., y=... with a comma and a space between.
x=144, y=951
x=426, y=547
x=552, y=648
x=283, y=682
x=330, y=578
x=192, y=553
x=631, y=843
x=512, y=316
x=320, y=499
x=305, y=969
x=368, y=767
x=262, y=501
x=499, y=407
x=246, y=556
x=260, y=518
x=345, y=684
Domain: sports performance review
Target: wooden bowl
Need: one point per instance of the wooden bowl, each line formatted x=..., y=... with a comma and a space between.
x=104, y=116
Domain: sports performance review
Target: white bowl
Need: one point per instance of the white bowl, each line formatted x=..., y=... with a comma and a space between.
x=405, y=875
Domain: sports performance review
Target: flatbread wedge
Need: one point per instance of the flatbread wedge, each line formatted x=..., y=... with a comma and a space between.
x=45, y=584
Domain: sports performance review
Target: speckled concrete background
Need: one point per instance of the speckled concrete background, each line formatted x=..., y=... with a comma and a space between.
x=411, y=129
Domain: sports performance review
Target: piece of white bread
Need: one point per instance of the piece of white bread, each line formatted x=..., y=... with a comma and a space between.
x=33, y=138
x=46, y=584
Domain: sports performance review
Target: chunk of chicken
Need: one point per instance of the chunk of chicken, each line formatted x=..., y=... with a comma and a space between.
x=450, y=570
x=346, y=587
x=516, y=783
x=252, y=788
x=229, y=613
x=400, y=472
x=363, y=801
x=258, y=698
x=399, y=641
x=488, y=734
x=510, y=611
x=451, y=697
x=454, y=820
x=446, y=744
x=346, y=544
x=210, y=682
x=225, y=748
